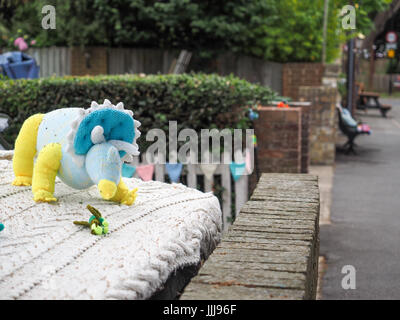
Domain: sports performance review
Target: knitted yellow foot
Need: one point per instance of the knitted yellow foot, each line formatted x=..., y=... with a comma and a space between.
x=129, y=197
x=22, y=181
x=43, y=196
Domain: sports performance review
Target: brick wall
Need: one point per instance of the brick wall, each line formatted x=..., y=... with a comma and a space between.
x=88, y=61
x=305, y=131
x=323, y=120
x=300, y=74
x=278, y=132
x=305, y=134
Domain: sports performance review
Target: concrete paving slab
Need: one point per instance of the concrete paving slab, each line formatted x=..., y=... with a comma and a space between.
x=365, y=217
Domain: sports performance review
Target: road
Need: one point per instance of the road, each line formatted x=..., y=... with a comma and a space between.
x=365, y=214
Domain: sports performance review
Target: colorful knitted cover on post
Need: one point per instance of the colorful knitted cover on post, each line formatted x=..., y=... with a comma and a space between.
x=43, y=255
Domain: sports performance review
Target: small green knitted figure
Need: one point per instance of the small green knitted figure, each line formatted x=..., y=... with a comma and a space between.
x=1, y=227
x=97, y=224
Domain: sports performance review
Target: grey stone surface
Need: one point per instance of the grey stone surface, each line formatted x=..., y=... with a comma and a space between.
x=271, y=251
x=365, y=224
x=204, y=291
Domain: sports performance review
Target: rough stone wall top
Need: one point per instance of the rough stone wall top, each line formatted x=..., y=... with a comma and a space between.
x=271, y=251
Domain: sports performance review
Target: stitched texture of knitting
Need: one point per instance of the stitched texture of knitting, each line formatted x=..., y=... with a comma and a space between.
x=43, y=255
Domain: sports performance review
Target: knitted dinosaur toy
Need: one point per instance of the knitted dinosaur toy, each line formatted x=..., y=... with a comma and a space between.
x=82, y=147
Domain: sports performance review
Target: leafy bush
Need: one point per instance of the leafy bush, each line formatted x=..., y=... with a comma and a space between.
x=196, y=101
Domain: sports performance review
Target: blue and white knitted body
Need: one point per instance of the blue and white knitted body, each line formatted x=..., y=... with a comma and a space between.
x=86, y=137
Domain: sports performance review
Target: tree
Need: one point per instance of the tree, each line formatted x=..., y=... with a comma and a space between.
x=276, y=30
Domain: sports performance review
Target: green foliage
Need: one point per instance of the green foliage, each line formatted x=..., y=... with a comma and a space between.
x=366, y=11
x=76, y=23
x=296, y=35
x=276, y=30
x=196, y=101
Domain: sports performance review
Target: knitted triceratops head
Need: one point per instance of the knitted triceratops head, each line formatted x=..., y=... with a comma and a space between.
x=103, y=123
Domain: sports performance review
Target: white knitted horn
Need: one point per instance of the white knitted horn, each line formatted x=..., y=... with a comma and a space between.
x=125, y=146
x=97, y=135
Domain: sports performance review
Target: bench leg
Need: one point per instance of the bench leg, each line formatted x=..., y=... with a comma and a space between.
x=349, y=146
x=351, y=150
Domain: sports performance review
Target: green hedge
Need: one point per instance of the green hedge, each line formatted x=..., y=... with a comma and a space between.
x=196, y=101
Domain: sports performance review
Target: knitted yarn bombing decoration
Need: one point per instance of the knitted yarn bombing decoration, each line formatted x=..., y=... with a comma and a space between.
x=82, y=147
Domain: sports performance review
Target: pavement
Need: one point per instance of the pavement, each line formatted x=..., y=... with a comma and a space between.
x=325, y=182
x=365, y=214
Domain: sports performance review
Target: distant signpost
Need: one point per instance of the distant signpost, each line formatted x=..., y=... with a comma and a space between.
x=391, y=43
x=391, y=47
x=391, y=37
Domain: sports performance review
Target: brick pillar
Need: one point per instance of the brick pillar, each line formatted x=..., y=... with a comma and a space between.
x=88, y=61
x=323, y=120
x=305, y=131
x=278, y=132
x=299, y=74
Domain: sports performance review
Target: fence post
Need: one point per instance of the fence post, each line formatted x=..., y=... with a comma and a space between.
x=158, y=170
x=191, y=172
x=226, y=195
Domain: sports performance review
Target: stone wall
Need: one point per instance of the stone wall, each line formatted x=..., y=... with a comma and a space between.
x=271, y=251
x=295, y=75
x=323, y=122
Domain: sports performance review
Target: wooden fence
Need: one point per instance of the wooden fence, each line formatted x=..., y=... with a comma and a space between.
x=57, y=61
x=148, y=61
x=381, y=82
x=234, y=193
x=52, y=61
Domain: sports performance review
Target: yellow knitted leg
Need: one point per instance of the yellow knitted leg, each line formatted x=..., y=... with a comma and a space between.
x=25, y=151
x=45, y=171
x=123, y=194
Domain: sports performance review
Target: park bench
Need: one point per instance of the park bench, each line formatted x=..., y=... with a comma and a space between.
x=350, y=128
x=271, y=250
x=370, y=100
